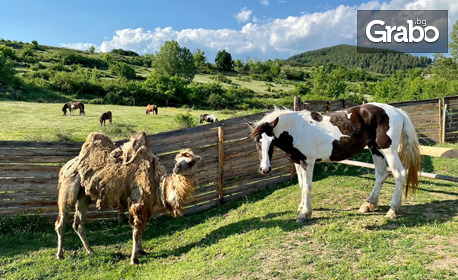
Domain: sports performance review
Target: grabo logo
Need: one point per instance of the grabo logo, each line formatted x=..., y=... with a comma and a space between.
x=410, y=31
x=402, y=33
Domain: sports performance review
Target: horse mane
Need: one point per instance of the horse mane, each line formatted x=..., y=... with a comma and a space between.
x=269, y=117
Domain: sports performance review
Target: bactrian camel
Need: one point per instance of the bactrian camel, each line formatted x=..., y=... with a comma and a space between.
x=98, y=174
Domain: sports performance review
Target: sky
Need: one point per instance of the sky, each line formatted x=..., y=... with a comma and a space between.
x=261, y=29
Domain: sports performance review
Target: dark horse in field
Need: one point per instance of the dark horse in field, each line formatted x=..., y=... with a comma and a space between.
x=308, y=137
x=72, y=106
x=151, y=109
x=105, y=116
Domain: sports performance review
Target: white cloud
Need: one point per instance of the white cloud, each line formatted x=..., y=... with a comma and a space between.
x=265, y=2
x=78, y=46
x=275, y=38
x=244, y=15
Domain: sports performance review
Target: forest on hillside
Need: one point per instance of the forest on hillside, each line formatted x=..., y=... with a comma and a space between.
x=375, y=61
x=38, y=73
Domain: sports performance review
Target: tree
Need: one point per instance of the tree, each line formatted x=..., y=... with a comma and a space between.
x=454, y=41
x=92, y=49
x=123, y=70
x=224, y=61
x=200, y=60
x=173, y=60
x=6, y=71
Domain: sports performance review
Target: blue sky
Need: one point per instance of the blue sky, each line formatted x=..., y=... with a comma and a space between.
x=264, y=29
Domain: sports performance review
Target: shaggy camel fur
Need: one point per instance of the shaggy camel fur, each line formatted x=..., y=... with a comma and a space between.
x=136, y=186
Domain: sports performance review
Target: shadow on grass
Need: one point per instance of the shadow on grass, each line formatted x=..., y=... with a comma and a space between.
x=244, y=226
x=431, y=213
x=102, y=233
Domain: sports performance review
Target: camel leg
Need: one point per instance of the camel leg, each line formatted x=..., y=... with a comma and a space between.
x=137, y=232
x=137, y=219
x=78, y=224
x=69, y=188
x=60, y=230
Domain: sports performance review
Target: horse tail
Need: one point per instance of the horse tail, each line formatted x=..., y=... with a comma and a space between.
x=409, y=153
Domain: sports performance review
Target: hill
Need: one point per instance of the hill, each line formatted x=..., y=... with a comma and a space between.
x=346, y=55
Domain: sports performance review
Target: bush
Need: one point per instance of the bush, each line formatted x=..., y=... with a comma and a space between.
x=24, y=224
x=123, y=70
x=185, y=120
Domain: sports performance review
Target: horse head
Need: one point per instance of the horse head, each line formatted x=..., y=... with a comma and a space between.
x=264, y=138
x=64, y=109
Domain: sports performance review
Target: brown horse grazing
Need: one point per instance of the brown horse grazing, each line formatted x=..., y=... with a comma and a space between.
x=207, y=118
x=105, y=116
x=72, y=106
x=151, y=109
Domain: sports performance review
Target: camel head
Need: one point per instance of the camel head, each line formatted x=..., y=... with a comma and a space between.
x=185, y=163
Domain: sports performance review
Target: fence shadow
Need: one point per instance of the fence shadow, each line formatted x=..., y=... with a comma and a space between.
x=113, y=233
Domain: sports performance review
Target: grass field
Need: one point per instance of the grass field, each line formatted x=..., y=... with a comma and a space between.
x=257, y=237
x=27, y=121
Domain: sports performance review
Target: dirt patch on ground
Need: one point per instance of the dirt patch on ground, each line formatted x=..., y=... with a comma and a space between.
x=445, y=249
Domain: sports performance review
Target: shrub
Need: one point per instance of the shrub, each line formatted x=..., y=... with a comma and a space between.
x=185, y=120
x=23, y=224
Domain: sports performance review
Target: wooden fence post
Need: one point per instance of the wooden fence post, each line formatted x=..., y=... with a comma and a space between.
x=440, y=121
x=298, y=105
x=220, y=164
x=444, y=121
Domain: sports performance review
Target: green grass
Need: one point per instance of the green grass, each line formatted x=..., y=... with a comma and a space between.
x=257, y=238
x=27, y=121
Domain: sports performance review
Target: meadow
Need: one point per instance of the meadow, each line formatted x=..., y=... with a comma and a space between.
x=26, y=121
x=255, y=237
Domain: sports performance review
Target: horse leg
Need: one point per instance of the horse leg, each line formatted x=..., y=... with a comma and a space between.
x=381, y=173
x=399, y=174
x=78, y=223
x=301, y=178
x=306, y=211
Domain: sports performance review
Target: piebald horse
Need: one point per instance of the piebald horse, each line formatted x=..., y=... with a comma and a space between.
x=208, y=118
x=307, y=137
x=72, y=106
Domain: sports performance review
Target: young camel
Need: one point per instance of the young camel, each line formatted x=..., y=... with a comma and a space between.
x=136, y=186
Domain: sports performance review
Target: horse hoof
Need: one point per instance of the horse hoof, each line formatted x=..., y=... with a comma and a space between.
x=367, y=207
x=302, y=217
x=391, y=215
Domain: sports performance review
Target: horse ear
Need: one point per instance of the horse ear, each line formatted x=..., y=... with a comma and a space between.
x=197, y=159
x=274, y=123
x=250, y=125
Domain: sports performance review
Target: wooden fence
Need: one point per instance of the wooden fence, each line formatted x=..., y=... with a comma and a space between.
x=229, y=167
x=450, y=119
x=228, y=170
x=435, y=120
